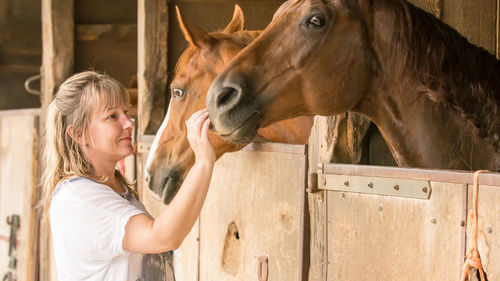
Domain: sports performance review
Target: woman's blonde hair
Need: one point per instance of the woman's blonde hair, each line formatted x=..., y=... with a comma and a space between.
x=78, y=97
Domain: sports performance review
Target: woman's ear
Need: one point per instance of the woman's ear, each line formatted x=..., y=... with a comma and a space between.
x=75, y=136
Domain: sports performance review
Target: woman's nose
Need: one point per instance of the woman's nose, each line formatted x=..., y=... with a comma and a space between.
x=128, y=123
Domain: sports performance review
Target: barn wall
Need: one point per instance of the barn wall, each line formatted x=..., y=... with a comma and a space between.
x=111, y=41
x=18, y=188
x=20, y=52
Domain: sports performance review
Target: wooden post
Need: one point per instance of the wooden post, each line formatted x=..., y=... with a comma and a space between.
x=58, y=46
x=498, y=29
x=57, y=65
x=152, y=26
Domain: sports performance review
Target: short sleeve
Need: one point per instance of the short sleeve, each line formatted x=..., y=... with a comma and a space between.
x=91, y=218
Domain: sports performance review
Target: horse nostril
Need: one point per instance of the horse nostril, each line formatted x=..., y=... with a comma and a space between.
x=226, y=96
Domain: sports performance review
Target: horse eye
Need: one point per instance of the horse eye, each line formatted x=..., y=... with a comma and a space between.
x=316, y=21
x=177, y=93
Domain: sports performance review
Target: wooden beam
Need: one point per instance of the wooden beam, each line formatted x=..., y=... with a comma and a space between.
x=475, y=20
x=498, y=30
x=152, y=22
x=57, y=65
x=108, y=32
x=58, y=46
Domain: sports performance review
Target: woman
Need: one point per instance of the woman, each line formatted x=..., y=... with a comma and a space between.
x=98, y=227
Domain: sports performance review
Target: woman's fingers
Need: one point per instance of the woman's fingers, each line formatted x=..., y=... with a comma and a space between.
x=197, y=127
x=204, y=129
x=195, y=116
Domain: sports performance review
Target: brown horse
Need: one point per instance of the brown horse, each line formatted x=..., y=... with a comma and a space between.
x=434, y=96
x=171, y=157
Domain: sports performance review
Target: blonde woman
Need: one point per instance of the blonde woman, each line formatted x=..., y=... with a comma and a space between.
x=98, y=227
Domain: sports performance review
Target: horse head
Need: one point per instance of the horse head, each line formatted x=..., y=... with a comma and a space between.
x=310, y=46
x=171, y=157
x=396, y=64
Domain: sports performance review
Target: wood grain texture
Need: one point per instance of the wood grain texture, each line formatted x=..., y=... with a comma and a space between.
x=476, y=20
x=253, y=210
x=152, y=64
x=18, y=168
x=373, y=237
x=57, y=65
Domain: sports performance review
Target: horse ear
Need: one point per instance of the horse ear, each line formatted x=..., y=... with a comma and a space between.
x=193, y=34
x=238, y=21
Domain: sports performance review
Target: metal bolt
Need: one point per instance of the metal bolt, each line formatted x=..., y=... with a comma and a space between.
x=346, y=183
x=343, y=195
x=380, y=207
x=324, y=181
x=424, y=189
x=490, y=229
x=370, y=185
x=434, y=220
x=396, y=187
x=462, y=223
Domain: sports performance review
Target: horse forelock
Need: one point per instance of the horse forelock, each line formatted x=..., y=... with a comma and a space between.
x=447, y=68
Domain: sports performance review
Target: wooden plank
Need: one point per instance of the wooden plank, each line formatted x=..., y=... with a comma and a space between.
x=18, y=164
x=387, y=238
x=498, y=30
x=58, y=45
x=317, y=204
x=152, y=64
x=462, y=177
x=488, y=227
x=17, y=112
x=277, y=147
x=110, y=32
x=57, y=65
x=432, y=6
x=476, y=20
x=245, y=217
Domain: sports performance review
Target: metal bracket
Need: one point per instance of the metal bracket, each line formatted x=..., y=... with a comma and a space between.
x=420, y=189
x=263, y=270
x=312, y=183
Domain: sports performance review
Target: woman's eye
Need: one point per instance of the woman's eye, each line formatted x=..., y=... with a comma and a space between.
x=112, y=116
x=177, y=93
x=316, y=21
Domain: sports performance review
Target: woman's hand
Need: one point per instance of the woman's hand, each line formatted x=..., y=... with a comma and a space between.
x=197, y=128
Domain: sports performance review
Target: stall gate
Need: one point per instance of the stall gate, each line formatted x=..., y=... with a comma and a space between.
x=18, y=174
x=251, y=226
x=386, y=223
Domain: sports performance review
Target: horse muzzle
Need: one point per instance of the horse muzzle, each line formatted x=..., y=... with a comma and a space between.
x=234, y=115
x=164, y=185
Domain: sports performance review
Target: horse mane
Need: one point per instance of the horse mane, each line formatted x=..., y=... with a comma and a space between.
x=448, y=68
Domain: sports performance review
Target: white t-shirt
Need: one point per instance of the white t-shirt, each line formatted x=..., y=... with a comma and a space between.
x=88, y=221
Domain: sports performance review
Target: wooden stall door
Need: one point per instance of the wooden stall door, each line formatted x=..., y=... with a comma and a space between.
x=253, y=216
x=18, y=164
x=405, y=224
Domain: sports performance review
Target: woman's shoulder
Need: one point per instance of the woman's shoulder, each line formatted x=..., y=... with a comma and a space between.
x=81, y=187
x=84, y=193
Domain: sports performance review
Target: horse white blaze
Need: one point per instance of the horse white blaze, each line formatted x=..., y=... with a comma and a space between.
x=154, y=145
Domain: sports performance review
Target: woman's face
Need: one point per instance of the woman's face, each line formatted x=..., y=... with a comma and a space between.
x=109, y=136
